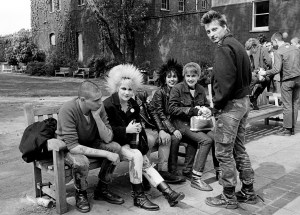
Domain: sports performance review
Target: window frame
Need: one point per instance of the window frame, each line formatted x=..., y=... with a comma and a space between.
x=183, y=5
x=80, y=2
x=52, y=6
x=254, y=15
x=204, y=4
x=52, y=38
x=166, y=4
x=58, y=5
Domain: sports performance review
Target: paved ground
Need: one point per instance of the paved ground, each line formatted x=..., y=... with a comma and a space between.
x=277, y=168
x=275, y=161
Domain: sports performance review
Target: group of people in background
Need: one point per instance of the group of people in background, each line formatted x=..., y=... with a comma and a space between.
x=127, y=126
x=276, y=62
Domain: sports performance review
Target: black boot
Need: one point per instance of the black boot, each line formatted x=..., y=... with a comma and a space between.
x=172, y=196
x=247, y=194
x=102, y=191
x=82, y=203
x=141, y=200
x=253, y=100
x=146, y=184
x=227, y=199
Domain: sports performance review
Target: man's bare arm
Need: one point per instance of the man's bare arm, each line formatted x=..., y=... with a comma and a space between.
x=105, y=132
x=91, y=152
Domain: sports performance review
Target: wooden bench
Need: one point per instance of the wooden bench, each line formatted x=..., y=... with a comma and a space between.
x=62, y=71
x=266, y=110
x=56, y=166
x=7, y=68
x=84, y=72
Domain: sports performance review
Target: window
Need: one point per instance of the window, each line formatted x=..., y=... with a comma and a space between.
x=51, y=3
x=80, y=2
x=204, y=4
x=201, y=5
x=181, y=5
x=260, y=18
x=165, y=5
x=52, y=39
x=58, y=4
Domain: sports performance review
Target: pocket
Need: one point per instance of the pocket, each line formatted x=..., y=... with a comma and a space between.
x=226, y=129
x=186, y=102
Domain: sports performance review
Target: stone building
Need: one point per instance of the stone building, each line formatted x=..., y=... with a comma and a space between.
x=173, y=27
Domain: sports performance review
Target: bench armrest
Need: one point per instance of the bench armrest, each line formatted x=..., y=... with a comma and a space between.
x=56, y=145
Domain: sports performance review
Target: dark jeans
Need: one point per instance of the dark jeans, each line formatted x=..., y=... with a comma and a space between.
x=260, y=85
x=230, y=140
x=194, y=140
x=173, y=156
x=290, y=95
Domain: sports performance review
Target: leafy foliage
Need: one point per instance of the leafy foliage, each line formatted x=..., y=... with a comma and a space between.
x=119, y=21
x=22, y=49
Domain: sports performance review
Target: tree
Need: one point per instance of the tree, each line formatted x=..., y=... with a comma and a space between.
x=21, y=48
x=119, y=21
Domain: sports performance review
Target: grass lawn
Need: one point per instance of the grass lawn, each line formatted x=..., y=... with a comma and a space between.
x=21, y=85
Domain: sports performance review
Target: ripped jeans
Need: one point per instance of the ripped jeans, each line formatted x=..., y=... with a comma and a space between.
x=80, y=165
x=230, y=151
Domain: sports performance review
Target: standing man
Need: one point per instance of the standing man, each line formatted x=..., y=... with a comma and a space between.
x=261, y=59
x=287, y=63
x=83, y=125
x=231, y=78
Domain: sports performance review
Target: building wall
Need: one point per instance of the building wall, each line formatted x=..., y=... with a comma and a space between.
x=179, y=37
x=169, y=34
x=283, y=17
x=66, y=24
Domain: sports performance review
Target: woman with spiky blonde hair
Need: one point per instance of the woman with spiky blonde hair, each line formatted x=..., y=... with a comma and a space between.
x=124, y=116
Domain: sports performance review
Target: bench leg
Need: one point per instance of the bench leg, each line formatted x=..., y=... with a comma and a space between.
x=37, y=179
x=267, y=121
x=60, y=185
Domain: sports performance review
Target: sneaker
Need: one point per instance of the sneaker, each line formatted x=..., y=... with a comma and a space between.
x=249, y=198
x=222, y=201
x=169, y=178
x=200, y=185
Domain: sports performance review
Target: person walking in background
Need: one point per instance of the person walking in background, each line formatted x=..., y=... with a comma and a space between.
x=188, y=99
x=287, y=63
x=169, y=75
x=83, y=126
x=124, y=116
x=261, y=59
x=231, y=79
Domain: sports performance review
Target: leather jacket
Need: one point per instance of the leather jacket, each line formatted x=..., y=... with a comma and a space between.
x=159, y=106
x=181, y=101
x=148, y=117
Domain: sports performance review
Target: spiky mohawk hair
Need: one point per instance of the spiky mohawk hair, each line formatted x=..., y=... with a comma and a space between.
x=171, y=65
x=123, y=72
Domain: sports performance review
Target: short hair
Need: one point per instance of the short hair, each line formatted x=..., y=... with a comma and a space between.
x=295, y=40
x=171, y=65
x=194, y=68
x=123, y=72
x=251, y=43
x=211, y=16
x=277, y=36
x=262, y=38
x=88, y=89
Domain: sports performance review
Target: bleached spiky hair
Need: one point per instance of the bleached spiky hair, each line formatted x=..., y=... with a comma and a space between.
x=123, y=72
